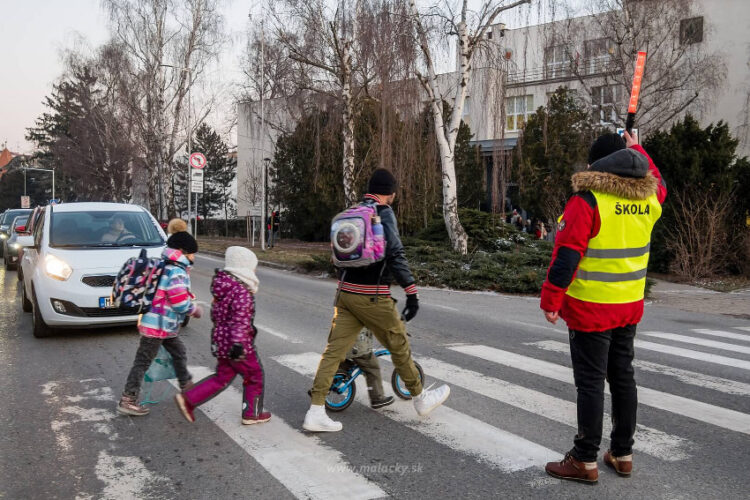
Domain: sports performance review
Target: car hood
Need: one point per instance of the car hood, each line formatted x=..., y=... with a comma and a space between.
x=101, y=259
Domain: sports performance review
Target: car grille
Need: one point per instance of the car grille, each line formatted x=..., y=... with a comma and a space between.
x=95, y=312
x=99, y=281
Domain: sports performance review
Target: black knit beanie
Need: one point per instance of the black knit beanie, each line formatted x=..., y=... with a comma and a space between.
x=183, y=241
x=382, y=182
x=605, y=145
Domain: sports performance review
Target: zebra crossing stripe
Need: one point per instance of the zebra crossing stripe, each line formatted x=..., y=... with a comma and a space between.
x=691, y=354
x=744, y=328
x=302, y=463
x=651, y=441
x=685, y=376
x=721, y=333
x=703, y=412
x=701, y=342
x=495, y=447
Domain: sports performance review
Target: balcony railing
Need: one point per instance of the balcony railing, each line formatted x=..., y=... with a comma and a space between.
x=574, y=69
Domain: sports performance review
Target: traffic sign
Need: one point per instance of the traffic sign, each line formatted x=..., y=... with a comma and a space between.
x=196, y=175
x=25, y=202
x=197, y=160
x=196, y=187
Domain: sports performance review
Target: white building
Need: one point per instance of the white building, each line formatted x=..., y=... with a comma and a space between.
x=524, y=66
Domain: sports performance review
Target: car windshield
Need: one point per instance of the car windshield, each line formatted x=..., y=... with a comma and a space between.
x=103, y=229
x=10, y=215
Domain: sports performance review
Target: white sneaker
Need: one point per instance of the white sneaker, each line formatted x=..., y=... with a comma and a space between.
x=430, y=399
x=316, y=420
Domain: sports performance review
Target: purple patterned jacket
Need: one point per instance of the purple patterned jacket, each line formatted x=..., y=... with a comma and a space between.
x=232, y=312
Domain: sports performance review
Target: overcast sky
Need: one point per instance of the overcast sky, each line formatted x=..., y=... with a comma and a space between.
x=35, y=32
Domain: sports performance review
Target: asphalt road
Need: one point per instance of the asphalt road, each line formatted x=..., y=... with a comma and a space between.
x=511, y=408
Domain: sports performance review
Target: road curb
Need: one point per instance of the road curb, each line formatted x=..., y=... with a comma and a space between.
x=264, y=263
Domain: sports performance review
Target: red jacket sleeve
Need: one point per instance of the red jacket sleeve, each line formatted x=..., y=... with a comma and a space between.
x=661, y=194
x=580, y=222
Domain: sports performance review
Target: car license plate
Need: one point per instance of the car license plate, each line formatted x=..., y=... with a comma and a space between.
x=105, y=303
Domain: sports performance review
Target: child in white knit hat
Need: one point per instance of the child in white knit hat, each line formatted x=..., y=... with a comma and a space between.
x=232, y=339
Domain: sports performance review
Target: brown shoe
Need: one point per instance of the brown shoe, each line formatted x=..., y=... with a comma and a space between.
x=574, y=470
x=129, y=406
x=622, y=465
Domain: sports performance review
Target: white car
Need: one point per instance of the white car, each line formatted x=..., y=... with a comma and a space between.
x=71, y=260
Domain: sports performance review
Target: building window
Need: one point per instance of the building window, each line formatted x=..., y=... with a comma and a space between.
x=597, y=54
x=556, y=61
x=691, y=30
x=517, y=110
x=604, y=101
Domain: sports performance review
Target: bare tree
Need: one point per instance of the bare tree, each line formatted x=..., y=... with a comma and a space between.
x=680, y=73
x=169, y=44
x=323, y=43
x=469, y=39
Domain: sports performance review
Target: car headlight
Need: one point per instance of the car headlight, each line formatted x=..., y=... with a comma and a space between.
x=16, y=246
x=57, y=268
x=3, y=236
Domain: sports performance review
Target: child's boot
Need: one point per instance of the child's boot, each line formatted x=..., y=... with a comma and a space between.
x=129, y=406
x=256, y=419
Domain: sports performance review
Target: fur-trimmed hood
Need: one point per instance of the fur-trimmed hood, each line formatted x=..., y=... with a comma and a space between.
x=631, y=188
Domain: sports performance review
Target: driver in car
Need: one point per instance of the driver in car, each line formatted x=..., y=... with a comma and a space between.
x=117, y=231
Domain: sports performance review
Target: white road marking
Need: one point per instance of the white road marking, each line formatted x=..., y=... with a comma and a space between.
x=722, y=333
x=495, y=447
x=685, y=376
x=447, y=308
x=278, y=334
x=302, y=463
x=744, y=328
x=701, y=342
x=697, y=355
x=651, y=441
x=128, y=477
x=703, y=412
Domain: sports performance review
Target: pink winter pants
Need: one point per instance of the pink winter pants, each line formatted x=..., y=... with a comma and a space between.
x=252, y=381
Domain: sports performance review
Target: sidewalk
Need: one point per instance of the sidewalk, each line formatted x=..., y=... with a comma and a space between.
x=701, y=300
x=286, y=254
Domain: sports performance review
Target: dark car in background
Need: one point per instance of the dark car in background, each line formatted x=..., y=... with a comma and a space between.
x=6, y=220
x=11, y=245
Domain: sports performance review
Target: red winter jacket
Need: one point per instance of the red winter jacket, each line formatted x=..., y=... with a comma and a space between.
x=581, y=223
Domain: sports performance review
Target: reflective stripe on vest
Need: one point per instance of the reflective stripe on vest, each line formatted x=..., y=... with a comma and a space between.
x=613, y=269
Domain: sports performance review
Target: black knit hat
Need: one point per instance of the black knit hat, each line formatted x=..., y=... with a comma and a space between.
x=605, y=145
x=382, y=182
x=183, y=241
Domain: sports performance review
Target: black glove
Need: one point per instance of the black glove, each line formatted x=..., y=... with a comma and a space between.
x=412, y=306
x=236, y=352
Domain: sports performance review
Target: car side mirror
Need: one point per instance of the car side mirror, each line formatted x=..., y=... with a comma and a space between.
x=26, y=241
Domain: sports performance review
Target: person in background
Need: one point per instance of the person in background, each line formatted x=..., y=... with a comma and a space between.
x=596, y=283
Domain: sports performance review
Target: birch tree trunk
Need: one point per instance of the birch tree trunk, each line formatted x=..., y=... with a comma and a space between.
x=446, y=135
x=350, y=193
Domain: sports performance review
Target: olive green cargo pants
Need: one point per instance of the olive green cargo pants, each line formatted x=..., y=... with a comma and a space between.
x=379, y=315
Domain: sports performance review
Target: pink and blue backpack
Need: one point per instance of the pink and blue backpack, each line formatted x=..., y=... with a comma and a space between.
x=357, y=238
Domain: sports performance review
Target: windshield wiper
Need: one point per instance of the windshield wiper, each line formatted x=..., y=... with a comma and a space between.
x=139, y=244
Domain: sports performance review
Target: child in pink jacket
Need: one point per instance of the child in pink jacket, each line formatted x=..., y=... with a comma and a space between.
x=233, y=339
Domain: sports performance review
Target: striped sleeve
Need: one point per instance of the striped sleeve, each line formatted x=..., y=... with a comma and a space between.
x=178, y=294
x=411, y=289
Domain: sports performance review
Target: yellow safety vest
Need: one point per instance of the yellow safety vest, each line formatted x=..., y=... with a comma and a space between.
x=613, y=269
